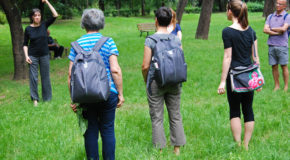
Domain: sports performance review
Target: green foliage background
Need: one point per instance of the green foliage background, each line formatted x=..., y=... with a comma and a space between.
x=50, y=131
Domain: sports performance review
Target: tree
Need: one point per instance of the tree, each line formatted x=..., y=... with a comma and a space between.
x=143, y=7
x=14, y=19
x=269, y=7
x=204, y=19
x=180, y=9
x=222, y=5
x=102, y=5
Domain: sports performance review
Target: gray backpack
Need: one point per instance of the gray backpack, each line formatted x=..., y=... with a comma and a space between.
x=89, y=80
x=167, y=62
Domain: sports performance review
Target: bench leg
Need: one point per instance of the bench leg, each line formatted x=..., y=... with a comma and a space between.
x=141, y=33
x=147, y=34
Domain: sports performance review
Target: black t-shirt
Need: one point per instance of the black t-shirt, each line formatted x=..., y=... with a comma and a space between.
x=36, y=38
x=241, y=43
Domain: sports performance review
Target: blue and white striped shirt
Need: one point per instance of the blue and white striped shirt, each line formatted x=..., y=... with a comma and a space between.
x=87, y=42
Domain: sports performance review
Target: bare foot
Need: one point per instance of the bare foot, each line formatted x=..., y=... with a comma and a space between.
x=276, y=89
x=35, y=103
x=177, y=150
x=285, y=88
x=246, y=147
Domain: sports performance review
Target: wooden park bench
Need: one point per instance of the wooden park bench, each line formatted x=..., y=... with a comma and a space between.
x=146, y=27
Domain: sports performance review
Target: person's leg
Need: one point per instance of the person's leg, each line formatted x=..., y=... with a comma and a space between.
x=283, y=61
x=247, y=102
x=234, y=100
x=273, y=61
x=33, y=79
x=60, y=51
x=92, y=133
x=107, y=123
x=172, y=101
x=156, y=110
x=275, y=72
x=45, y=78
x=55, y=50
x=285, y=76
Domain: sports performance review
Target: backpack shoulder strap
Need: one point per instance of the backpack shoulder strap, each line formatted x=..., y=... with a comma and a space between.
x=285, y=16
x=154, y=38
x=271, y=15
x=100, y=43
x=77, y=47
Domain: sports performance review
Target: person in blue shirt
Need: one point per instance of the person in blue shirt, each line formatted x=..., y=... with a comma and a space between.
x=100, y=116
x=174, y=28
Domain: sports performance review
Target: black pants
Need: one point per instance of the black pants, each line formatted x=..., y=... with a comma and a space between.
x=236, y=100
x=57, y=50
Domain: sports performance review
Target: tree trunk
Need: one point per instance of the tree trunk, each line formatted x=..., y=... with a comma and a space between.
x=14, y=19
x=143, y=7
x=222, y=5
x=269, y=7
x=102, y=5
x=118, y=4
x=204, y=20
x=180, y=9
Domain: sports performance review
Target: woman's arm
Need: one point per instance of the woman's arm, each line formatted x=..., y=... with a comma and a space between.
x=73, y=106
x=225, y=70
x=54, y=13
x=146, y=62
x=255, y=57
x=179, y=35
x=117, y=77
x=25, y=49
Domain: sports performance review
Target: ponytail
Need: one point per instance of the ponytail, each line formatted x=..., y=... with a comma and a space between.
x=243, y=17
x=240, y=11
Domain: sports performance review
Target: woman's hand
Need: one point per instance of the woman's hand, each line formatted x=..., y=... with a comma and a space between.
x=73, y=107
x=121, y=101
x=258, y=90
x=221, y=89
x=28, y=60
x=44, y=1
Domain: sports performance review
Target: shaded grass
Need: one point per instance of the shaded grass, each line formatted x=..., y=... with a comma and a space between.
x=50, y=131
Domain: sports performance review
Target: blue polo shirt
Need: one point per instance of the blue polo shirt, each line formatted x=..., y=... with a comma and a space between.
x=87, y=42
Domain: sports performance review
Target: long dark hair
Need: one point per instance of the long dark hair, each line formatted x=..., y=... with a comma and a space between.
x=33, y=11
x=240, y=11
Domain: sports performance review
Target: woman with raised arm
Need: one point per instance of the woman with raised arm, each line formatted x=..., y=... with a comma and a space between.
x=36, y=52
x=238, y=41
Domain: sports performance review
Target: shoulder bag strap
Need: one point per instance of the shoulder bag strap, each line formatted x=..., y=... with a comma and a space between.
x=254, y=44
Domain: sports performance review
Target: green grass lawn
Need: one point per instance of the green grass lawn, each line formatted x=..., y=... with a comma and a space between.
x=50, y=131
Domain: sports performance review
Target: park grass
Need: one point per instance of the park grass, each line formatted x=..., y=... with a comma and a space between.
x=50, y=131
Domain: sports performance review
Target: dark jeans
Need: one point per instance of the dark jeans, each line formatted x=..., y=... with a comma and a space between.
x=43, y=63
x=101, y=118
x=57, y=50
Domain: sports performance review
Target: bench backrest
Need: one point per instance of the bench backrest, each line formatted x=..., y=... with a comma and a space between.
x=146, y=26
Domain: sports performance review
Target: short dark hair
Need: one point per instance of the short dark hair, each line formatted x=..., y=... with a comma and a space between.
x=32, y=13
x=163, y=15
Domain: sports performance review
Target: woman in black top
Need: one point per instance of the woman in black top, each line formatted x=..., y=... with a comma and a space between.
x=238, y=51
x=37, y=53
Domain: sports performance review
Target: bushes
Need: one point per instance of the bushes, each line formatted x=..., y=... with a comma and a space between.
x=255, y=7
x=2, y=18
x=192, y=10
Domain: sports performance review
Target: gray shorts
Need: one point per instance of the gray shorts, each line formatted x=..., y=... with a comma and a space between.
x=278, y=55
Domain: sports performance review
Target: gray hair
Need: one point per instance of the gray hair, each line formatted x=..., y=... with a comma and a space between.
x=93, y=19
